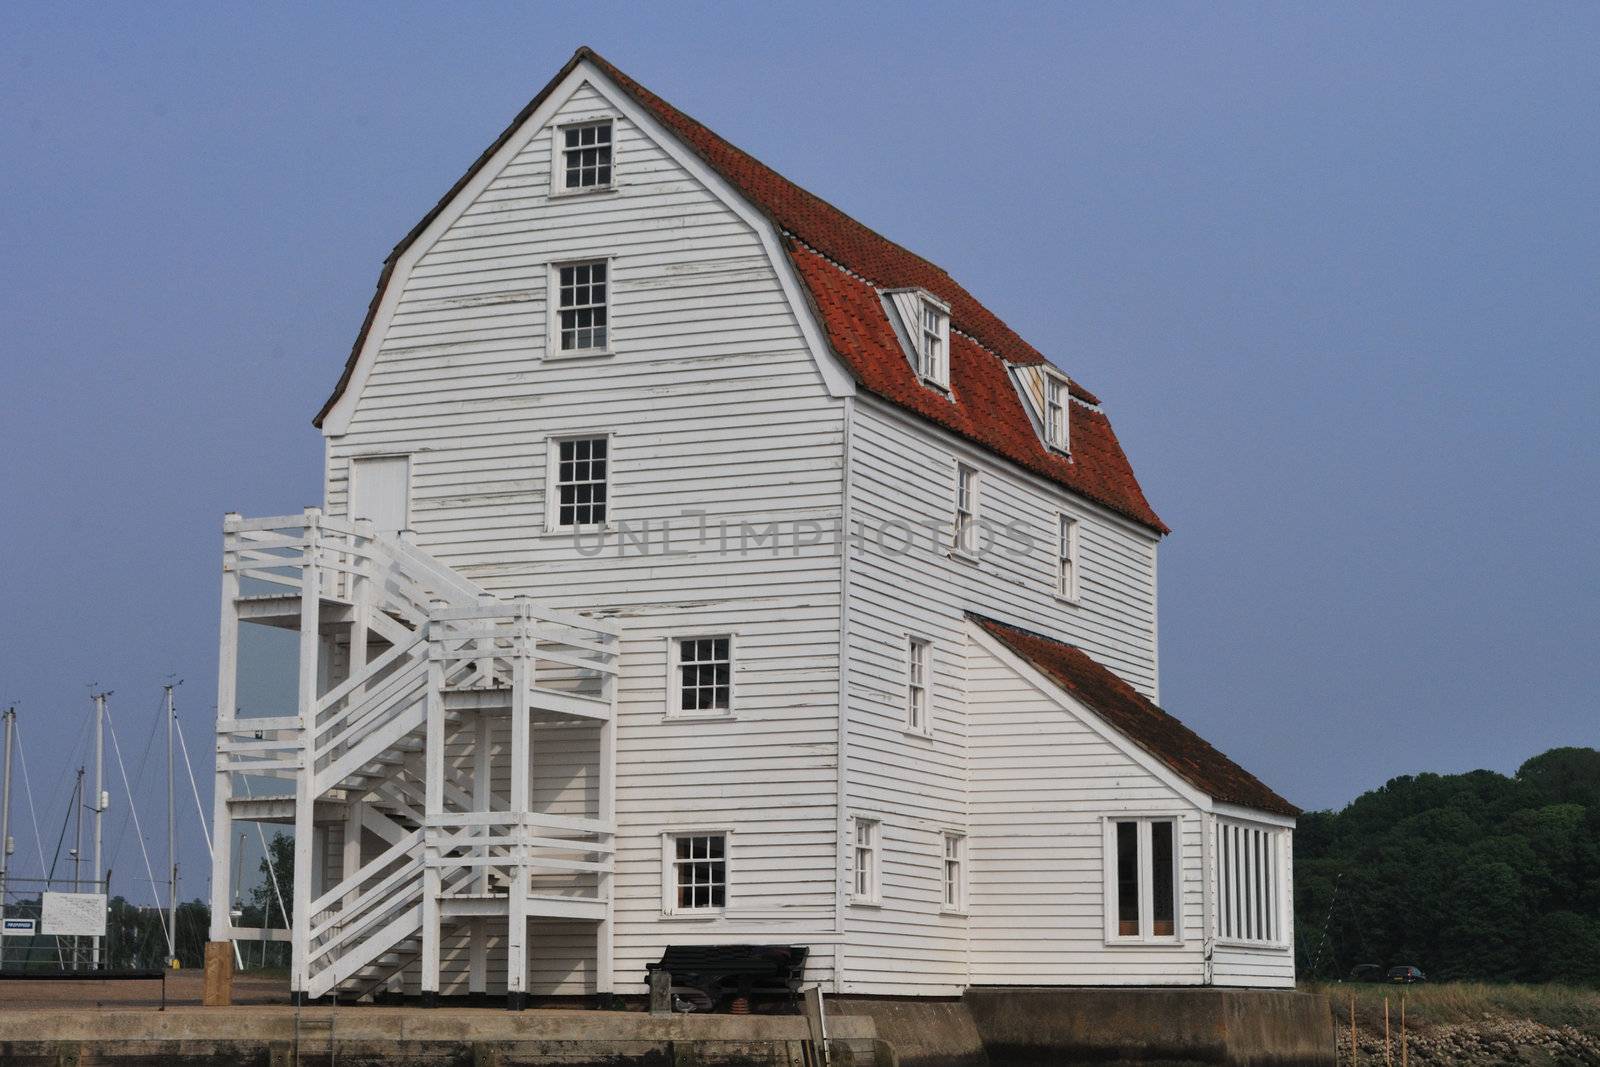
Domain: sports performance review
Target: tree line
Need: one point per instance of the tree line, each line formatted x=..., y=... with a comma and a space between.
x=1478, y=876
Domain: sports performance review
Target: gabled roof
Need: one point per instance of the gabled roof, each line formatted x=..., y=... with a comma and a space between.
x=842, y=263
x=1122, y=707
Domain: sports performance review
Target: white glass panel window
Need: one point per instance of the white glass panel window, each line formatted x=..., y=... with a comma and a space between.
x=580, y=477
x=1067, y=557
x=966, y=525
x=933, y=357
x=1249, y=882
x=704, y=675
x=1055, y=412
x=586, y=155
x=917, y=662
x=582, y=292
x=955, y=872
x=867, y=887
x=1141, y=872
x=699, y=872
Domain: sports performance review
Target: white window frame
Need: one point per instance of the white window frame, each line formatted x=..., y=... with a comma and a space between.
x=552, y=340
x=918, y=718
x=669, y=871
x=953, y=858
x=558, y=156
x=675, y=708
x=866, y=837
x=552, y=487
x=1057, y=432
x=969, y=489
x=1146, y=934
x=1255, y=856
x=931, y=341
x=1067, y=540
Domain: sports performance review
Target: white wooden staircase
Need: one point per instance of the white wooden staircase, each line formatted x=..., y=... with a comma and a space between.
x=407, y=673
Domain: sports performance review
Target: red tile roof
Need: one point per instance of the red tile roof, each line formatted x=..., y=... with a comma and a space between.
x=843, y=263
x=1128, y=712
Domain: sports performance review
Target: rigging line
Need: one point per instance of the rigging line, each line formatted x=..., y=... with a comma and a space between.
x=144, y=758
x=193, y=786
x=117, y=748
x=27, y=786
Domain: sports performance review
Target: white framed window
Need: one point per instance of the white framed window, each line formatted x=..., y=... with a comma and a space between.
x=1067, y=558
x=579, y=479
x=918, y=665
x=581, y=325
x=700, y=675
x=964, y=539
x=1141, y=879
x=1055, y=412
x=584, y=157
x=954, y=872
x=694, y=872
x=933, y=344
x=1250, y=898
x=868, y=885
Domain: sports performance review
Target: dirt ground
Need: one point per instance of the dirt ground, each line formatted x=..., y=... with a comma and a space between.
x=183, y=988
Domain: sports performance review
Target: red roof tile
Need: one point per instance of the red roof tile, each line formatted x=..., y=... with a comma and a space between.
x=985, y=407
x=1128, y=712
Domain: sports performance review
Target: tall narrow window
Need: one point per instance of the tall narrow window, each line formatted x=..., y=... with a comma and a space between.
x=917, y=686
x=868, y=889
x=704, y=669
x=699, y=872
x=931, y=344
x=1067, y=557
x=1249, y=879
x=580, y=481
x=586, y=155
x=966, y=533
x=955, y=872
x=1055, y=412
x=582, y=292
x=1141, y=880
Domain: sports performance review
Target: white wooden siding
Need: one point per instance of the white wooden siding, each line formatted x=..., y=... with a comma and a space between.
x=713, y=402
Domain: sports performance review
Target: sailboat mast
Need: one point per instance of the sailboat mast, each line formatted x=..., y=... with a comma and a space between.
x=99, y=799
x=172, y=850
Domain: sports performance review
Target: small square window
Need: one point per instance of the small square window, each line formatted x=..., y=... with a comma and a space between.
x=917, y=664
x=698, y=872
x=582, y=306
x=703, y=669
x=586, y=155
x=1142, y=880
x=580, y=477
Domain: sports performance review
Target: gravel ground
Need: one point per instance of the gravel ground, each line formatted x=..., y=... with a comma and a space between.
x=183, y=987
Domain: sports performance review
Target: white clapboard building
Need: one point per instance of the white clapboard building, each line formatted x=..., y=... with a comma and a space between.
x=698, y=566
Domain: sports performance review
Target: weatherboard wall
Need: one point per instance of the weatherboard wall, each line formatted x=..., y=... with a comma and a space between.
x=713, y=404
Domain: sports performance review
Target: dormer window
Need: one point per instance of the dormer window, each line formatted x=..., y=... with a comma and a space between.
x=923, y=322
x=1055, y=412
x=934, y=360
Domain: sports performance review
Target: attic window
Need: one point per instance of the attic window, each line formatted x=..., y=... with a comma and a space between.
x=933, y=345
x=1055, y=412
x=586, y=155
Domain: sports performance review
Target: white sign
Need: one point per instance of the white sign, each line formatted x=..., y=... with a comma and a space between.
x=74, y=914
x=19, y=926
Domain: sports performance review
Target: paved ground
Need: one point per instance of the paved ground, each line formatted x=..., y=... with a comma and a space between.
x=183, y=988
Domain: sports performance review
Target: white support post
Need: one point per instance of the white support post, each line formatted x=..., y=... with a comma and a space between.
x=521, y=767
x=227, y=694
x=361, y=599
x=350, y=858
x=603, y=961
x=482, y=800
x=433, y=804
x=305, y=797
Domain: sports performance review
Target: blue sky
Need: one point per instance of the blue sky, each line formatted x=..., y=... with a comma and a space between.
x=1332, y=269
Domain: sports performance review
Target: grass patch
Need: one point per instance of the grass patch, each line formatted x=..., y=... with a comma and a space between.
x=1448, y=1003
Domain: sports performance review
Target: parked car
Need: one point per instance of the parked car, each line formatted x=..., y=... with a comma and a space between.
x=1366, y=972
x=1406, y=975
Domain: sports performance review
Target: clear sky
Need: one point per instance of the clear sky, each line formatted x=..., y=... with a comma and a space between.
x=1334, y=269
